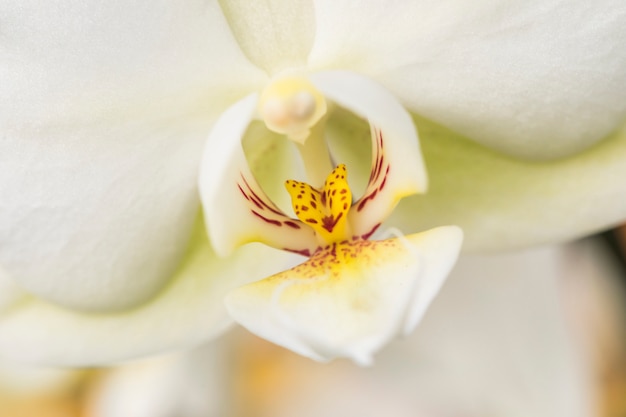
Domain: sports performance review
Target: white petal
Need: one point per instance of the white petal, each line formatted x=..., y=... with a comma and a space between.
x=98, y=218
x=397, y=166
x=328, y=308
x=188, y=312
x=537, y=79
x=274, y=34
x=502, y=203
x=236, y=209
x=76, y=63
x=495, y=342
x=103, y=112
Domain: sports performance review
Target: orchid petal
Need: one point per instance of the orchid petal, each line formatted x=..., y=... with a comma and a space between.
x=98, y=160
x=397, y=169
x=497, y=341
x=274, y=34
x=87, y=61
x=98, y=218
x=332, y=307
x=188, y=312
x=503, y=203
x=237, y=210
x=537, y=79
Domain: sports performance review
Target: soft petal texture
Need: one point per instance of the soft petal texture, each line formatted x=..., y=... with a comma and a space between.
x=535, y=79
x=502, y=203
x=98, y=219
x=397, y=168
x=236, y=208
x=187, y=312
x=495, y=342
x=349, y=307
x=84, y=61
x=103, y=111
x=274, y=34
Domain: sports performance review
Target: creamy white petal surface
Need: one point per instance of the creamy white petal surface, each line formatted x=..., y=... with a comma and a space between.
x=274, y=34
x=236, y=209
x=503, y=203
x=187, y=312
x=103, y=111
x=396, y=166
x=535, y=79
x=349, y=304
x=495, y=342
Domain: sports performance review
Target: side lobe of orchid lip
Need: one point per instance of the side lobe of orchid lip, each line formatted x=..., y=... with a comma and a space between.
x=229, y=190
x=349, y=299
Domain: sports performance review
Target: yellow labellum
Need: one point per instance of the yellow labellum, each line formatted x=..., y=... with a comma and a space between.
x=326, y=210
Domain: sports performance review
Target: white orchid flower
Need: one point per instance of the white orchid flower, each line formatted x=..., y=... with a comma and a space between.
x=106, y=109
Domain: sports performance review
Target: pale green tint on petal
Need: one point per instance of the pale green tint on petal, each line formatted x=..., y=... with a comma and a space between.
x=536, y=79
x=98, y=217
x=503, y=203
x=236, y=209
x=274, y=34
x=187, y=312
x=349, y=306
x=273, y=159
x=104, y=108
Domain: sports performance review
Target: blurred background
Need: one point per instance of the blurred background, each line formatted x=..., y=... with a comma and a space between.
x=528, y=334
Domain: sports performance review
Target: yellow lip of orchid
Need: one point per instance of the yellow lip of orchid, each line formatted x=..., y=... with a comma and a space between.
x=326, y=210
x=353, y=294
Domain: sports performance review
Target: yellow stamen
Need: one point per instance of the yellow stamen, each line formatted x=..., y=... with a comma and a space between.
x=326, y=210
x=292, y=106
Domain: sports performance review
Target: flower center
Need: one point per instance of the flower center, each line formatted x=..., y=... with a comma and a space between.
x=325, y=210
x=292, y=106
x=239, y=210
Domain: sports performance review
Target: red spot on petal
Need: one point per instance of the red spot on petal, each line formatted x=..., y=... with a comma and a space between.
x=292, y=224
x=265, y=219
